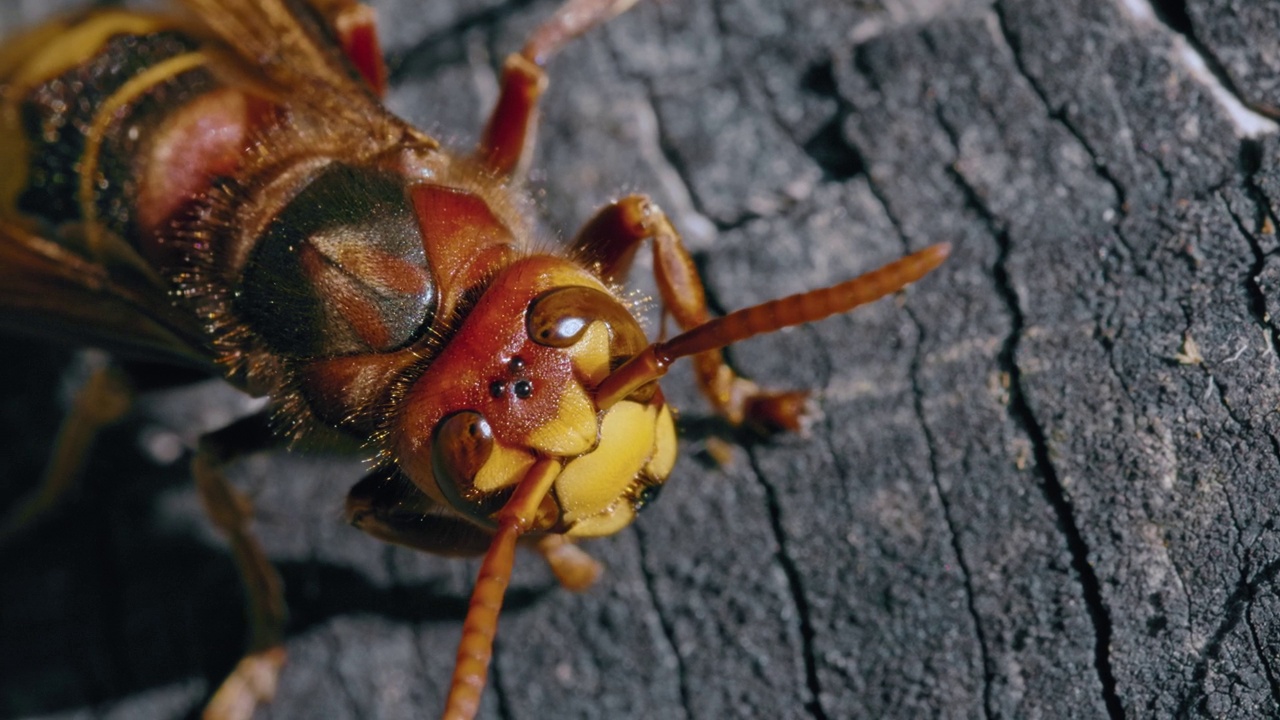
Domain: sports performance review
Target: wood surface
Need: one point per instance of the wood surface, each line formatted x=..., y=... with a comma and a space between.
x=1044, y=479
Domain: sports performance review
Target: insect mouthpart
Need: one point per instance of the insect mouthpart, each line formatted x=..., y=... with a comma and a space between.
x=514, y=387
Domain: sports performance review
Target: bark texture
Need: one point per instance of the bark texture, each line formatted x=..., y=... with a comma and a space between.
x=1044, y=480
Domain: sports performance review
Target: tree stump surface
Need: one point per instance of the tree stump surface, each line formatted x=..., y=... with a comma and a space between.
x=1044, y=479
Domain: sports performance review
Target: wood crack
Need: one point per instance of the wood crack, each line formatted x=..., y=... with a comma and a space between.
x=668, y=631
x=966, y=574
x=1234, y=609
x=1021, y=411
x=795, y=585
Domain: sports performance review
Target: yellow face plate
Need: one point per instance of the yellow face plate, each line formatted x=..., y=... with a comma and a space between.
x=637, y=445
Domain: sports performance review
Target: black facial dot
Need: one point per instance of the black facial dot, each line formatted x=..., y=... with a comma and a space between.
x=497, y=388
x=523, y=389
x=516, y=364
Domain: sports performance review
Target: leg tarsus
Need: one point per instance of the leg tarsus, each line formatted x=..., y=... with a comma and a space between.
x=744, y=403
x=572, y=19
x=252, y=683
x=572, y=566
x=254, y=678
x=780, y=411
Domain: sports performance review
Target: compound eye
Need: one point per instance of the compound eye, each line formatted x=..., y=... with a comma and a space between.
x=559, y=318
x=462, y=445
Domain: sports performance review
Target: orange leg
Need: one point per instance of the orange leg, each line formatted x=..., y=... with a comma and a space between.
x=356, y=28
x=253, y=681
x=508, y=137
x=609, y=242
x=572, y=566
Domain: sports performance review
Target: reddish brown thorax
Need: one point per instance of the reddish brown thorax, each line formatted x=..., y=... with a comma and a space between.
x=464, y=243
x=464, y=239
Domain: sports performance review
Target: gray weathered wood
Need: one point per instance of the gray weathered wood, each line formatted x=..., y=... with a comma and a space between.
x=1044, y=480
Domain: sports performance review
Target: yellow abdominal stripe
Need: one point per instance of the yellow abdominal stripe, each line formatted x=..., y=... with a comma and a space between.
x=53, y=49
x=127, y=93
x=36, y=57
